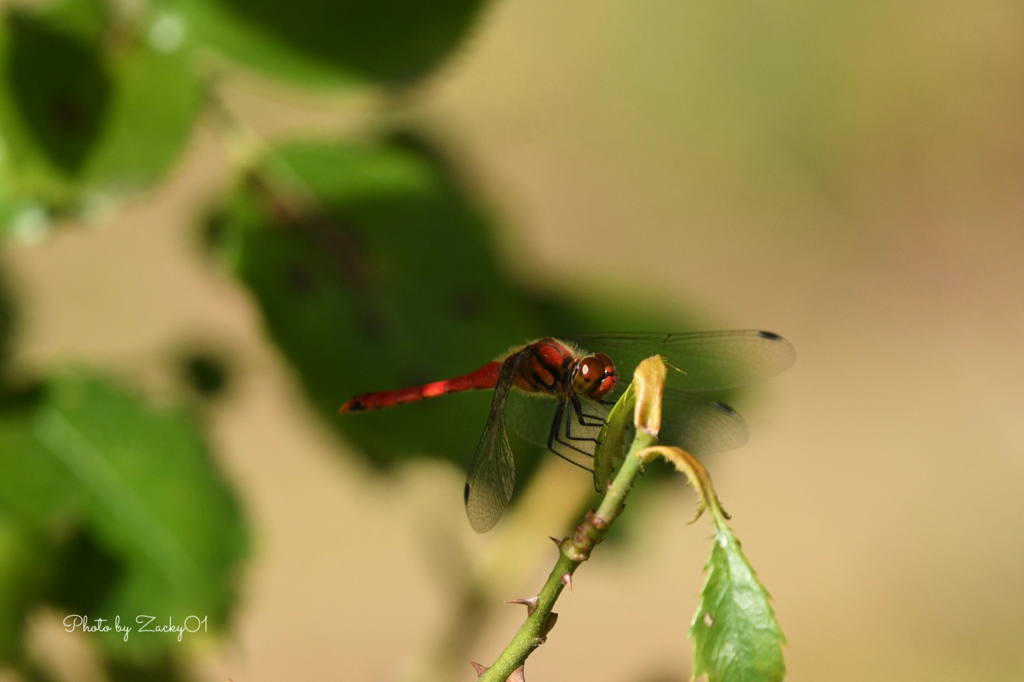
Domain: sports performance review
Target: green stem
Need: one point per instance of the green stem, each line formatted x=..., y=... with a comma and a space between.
x=572, y=552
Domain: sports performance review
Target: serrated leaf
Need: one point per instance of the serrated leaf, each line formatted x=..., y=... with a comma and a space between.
x=128, y=496
x=736, y=637
x=330, y=42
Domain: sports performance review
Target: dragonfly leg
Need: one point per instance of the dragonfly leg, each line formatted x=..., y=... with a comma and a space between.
x=568, y=426
x=596, y=420
x=583, y=417
x=555, y=440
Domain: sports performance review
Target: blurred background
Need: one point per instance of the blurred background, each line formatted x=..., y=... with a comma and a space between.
x=221, y=219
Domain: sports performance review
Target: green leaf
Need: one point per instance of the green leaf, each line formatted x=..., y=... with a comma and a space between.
x=86, y=111
x=163, y=669
x=373, y=271
x=330, y=42
x=61, y=87
x=736, y=637
x=128, y=497
x=23, y=568
x=151, y=117
x=7, y=321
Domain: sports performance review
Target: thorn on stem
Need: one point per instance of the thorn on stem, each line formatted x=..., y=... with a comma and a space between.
x=518, y=675
x=567, y=581
x=552, y=619
x=530, y=603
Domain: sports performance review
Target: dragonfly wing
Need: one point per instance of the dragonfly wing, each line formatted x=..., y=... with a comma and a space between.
x=492, y=473
x=492, y=478
x=709, y=360
x=699, y=425
x=541, y=419
x=529, y=415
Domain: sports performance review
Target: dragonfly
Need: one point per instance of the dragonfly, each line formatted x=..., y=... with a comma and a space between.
x=557, y=393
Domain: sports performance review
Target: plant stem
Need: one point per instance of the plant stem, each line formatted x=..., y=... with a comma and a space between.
x=572, y=552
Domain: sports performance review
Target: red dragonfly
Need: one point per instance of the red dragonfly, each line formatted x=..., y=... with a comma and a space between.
x=553, y=393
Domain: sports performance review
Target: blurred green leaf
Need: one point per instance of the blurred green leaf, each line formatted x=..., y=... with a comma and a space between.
x=374, y=271
x=151, y=117
x=7, y=321
x=23, y=567
x=61, y=88
x=163, y=669
x=736, y=637
x=330, y=42
x=86, y=109
x=128, y=496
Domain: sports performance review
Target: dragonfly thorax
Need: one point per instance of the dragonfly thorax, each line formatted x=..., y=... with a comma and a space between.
x=594, y=376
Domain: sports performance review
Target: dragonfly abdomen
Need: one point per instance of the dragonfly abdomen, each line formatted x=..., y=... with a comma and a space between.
x=485, y=377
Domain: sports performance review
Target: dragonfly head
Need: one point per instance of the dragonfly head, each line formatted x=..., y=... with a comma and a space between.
x=595, y=376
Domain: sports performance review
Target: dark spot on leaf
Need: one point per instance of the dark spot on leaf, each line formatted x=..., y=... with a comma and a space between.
x=467, y=304
x=299, y=280
x=371, y=325
x=342, y=246
x=331, y=237
x=69, y=114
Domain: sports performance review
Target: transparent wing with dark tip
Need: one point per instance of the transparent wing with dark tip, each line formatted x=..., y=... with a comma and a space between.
x=699, y=425
x=573, y=437
x=492, y=473
x=709, y=361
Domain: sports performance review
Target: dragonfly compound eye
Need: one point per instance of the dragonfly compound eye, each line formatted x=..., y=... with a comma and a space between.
x=595, y=376
x=609, y=378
